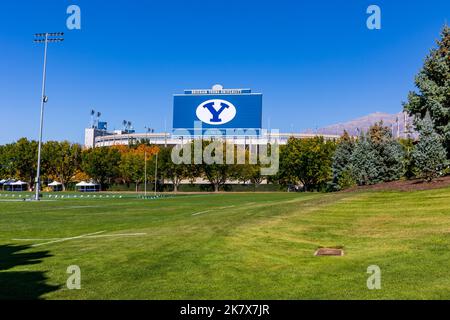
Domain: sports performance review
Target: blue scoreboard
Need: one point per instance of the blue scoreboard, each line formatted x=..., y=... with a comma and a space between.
x=218, y=108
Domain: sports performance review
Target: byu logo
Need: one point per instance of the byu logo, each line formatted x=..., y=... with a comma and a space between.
x=216, y=111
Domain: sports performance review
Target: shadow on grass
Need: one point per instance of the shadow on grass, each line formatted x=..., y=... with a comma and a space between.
x=22, y=284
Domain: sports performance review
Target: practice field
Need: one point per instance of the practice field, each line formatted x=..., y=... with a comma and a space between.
x=228, y=246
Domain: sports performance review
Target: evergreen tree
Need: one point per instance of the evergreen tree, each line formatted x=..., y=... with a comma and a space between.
x=393, y=160
x=429, y=155
x=377, y=156
x=342, y=171
x=389, y=152
x=365, y=161
x=408, y=163
x=433, y=82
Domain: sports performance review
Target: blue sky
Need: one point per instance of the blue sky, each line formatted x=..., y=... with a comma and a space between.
x=315, y=61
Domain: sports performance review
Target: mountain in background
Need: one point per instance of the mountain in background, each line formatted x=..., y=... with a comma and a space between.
x=400, y=123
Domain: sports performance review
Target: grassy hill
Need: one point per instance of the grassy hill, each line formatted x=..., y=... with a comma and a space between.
x=228, y=246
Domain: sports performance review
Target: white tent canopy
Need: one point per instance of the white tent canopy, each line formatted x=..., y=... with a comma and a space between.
x=83, y=184
x=88, y=186
x=18, y=183
x=11, y=185
x=54, y=184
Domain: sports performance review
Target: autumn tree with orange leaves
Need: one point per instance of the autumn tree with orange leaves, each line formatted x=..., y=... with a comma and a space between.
x=132, y=162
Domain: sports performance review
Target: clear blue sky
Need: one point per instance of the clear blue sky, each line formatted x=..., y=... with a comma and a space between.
x=315, y=61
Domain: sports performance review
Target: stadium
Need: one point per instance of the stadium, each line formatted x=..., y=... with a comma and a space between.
x=244, y=128
x=213, y=210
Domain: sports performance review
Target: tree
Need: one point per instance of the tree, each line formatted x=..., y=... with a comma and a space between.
x=342, y=168
x=377, y=156
x=247, y=171
x=80, y=175
x=307, y=160
x=218, y=172
x=433, y=82
x=174, y=172
x=365, y=161
x=122, y=149
x=285, y=174
x=6, y=161
x=3, y=161
x=61, y=160
x=101, y=164
x=132, y=167
x=133, y=159
x=389, y=151
x=429, y=155
x=23, y=157
x=253, y=172
x=408, y=163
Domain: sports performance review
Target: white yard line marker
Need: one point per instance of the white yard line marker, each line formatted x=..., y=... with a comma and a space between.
x=86, y=236
x=66, y=239
x=48, y=239
x=80, y=207
x=117, y=235
x=197, y=213
x=226, y=207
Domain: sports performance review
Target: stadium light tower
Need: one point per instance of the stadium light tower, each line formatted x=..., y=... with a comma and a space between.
x=44, y=38
x=156, y=172
x=147, y=130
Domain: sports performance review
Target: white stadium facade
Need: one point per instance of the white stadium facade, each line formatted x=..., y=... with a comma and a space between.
x=219, y=110
x=100, y=138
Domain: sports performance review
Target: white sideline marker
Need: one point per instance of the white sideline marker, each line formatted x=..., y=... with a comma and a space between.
x=117, y=235
x=65, y=239
x=197, y=213
x=89, y=235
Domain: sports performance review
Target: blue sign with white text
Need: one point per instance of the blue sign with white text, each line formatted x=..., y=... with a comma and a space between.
x=218, y=110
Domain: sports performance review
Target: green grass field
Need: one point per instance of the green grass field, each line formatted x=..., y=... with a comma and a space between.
x=228, y=246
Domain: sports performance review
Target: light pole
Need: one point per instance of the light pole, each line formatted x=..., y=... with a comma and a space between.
x=147, y=130
x=43, y=38
x=156, y=171
x=145, y=173
x=156, y=162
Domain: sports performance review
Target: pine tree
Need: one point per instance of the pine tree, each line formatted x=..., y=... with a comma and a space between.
x=433, y=82
x=365, y=161
x=429, y=155
x=342, y=172
x=408, y=163
x=389, y=151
